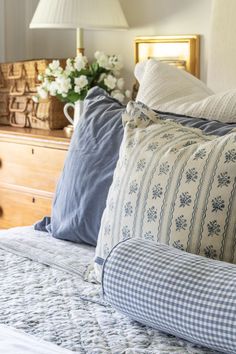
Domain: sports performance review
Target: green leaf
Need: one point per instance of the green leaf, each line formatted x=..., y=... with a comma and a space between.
x=73, y=96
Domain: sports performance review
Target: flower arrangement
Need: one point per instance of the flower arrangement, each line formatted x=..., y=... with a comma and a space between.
x=72, y=83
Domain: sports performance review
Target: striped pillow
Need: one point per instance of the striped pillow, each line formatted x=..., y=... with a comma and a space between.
x=168, y=89
x=172, y=184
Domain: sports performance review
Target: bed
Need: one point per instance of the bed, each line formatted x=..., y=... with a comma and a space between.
x=50, y=301
x=45, y=294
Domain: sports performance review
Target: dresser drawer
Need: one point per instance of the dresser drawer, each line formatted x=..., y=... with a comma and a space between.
x=31, y=166
x=21, y=209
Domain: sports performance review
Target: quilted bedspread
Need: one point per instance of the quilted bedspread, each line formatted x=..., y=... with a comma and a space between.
x=44, y=292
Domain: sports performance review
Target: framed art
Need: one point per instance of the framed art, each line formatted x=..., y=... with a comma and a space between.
x=180, y=51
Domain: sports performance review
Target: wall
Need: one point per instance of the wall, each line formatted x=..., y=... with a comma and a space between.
x=2, y=31
x=156, y=17
x=145, y=17
x=221, y=75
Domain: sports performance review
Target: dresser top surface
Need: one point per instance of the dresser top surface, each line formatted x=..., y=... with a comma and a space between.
x=56, y=135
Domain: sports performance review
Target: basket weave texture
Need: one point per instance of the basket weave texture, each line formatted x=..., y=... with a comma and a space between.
x=18, y=85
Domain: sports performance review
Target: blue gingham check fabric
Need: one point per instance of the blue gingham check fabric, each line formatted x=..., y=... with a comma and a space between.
x=174, y=291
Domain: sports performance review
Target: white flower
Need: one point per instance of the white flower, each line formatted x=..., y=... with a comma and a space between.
x=118, y=95
x=80, y=62
x=57, y=72
x=42, y=92
x=119, y=63
x=102, y=77
x=115, y=62
x=48, y=72
x=63, y=84
x=40, y=77
x=54, y=69
x=35, y=99
x=45, y=84
x=69, y=62
x=110, y=81
x=105, y=70
x=69, y=66
x=80, y=83
x=102, y=59
x=120, y=83
x=53, y=87
x=128, y=93
x=66, y=73
x=54, y=65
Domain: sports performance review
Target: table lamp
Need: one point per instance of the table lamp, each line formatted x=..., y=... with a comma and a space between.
x=79, y=14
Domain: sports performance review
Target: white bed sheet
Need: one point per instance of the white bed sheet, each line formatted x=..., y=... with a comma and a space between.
x=15, y=342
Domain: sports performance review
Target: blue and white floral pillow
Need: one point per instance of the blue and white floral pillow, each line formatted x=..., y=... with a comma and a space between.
x=174, y=185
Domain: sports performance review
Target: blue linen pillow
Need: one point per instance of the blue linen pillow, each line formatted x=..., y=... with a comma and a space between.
x=87, y=175
x=211, y=127
x=173, y=291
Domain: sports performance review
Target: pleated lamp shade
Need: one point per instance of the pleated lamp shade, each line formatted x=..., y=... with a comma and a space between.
x=86, y=14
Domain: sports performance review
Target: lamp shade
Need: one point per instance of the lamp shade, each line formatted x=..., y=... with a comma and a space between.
x=87, y=14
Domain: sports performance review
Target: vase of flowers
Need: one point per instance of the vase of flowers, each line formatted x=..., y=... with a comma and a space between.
x=71, y=84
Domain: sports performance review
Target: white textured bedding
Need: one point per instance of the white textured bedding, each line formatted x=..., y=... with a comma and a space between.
x=43, y=293
x=15, y=342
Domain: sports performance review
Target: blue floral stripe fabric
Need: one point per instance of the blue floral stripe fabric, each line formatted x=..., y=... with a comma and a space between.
x=174, y=291
x=172, y=184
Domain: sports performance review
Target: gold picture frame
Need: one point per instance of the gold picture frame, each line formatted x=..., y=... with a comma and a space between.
x=180, y=51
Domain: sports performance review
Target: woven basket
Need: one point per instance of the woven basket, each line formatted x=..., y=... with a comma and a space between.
x=47, y=114
x=4, y=82
x=4, y=108
x=18, y=84
x=28, y=69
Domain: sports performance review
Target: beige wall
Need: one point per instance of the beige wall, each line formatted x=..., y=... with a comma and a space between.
x=222, y=56
x=2, y=31
x=145, y=17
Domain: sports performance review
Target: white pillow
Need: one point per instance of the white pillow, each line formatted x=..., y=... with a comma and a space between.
x=168, y=89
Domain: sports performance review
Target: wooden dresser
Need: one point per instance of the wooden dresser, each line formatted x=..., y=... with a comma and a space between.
x=30, y=163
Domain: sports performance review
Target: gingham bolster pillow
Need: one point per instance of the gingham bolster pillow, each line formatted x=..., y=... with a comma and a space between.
x=177, y=292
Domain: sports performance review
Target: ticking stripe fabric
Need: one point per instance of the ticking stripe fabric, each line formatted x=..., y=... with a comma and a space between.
x=174, y=291
x=166, y=88
x=174, y=185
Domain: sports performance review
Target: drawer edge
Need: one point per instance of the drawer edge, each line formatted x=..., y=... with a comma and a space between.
x=26, y=190
x=46, y=143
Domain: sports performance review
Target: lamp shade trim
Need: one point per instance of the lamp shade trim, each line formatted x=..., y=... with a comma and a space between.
x=87, y=14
